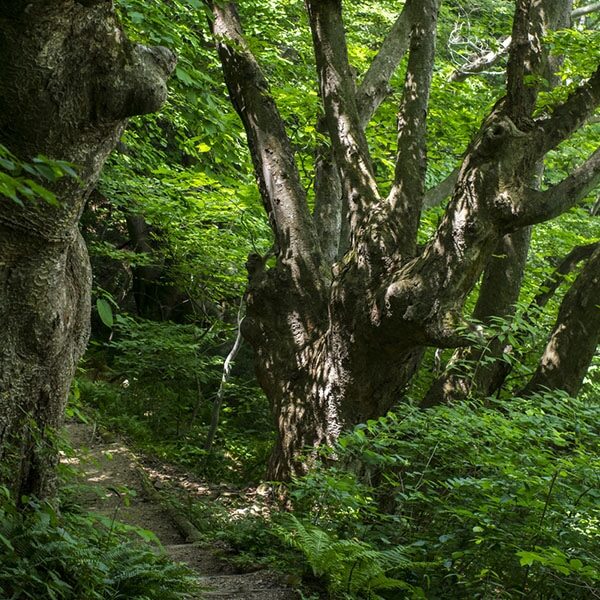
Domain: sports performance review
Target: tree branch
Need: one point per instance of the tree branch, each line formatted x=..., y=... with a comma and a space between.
x=406, y=195
x=548, y=289
x=566, y=266
x=537, y=207
x=339, y=99
x=569, y=116
x=498, y=294
x=585, y=10
x=575, y=336
x=526, y=56
x=274, y=164
x=481, y=63
x=438, y=193
x=329, y=214
x=375, y=84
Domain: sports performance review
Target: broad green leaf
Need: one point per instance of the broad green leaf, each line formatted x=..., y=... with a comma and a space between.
x=105, y=312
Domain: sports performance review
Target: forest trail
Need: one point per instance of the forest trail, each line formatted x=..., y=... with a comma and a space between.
x=110, y=471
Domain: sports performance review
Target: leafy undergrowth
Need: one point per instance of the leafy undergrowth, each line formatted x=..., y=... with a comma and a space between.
x=476, y=500
x=77, y=556
x=468, y=501
x=238, y=455
x=158, y=390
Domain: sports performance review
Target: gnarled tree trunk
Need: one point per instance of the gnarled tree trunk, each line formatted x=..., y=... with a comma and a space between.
x=337, y=342
x=69, y=80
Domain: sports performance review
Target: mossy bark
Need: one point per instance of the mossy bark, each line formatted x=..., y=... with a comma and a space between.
x=69, y=79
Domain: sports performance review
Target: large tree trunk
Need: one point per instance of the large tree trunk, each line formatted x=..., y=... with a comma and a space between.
x=337, y=344
x=319, y=371
x=69, y=80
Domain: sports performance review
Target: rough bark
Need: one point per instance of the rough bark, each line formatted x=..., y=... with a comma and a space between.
x=502, y=369
x=407, y=193
x=575, y=336
x=276, y=171
x=501, y=281
x=69, y=80
x=342, y=117
x=286, y=311
x=329, y=203
x=500, y=161
x=331, y=209
x=317, y=378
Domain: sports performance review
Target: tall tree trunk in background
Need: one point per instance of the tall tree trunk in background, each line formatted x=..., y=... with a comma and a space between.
x=499, y=292
x=338, y=343
x=500, y=370
x=69, y=79
x=503, y=275
x=575, y=336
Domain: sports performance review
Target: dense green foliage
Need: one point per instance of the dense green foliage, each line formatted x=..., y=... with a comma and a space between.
x=187, y=172
x=467, y=501
x=477, y=502
x=75, y=556
x=20, y=180
x=482, y=499
x=163, y=380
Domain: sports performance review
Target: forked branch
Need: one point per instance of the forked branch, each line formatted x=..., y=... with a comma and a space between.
x=478, y=64
x=525, y=58
x=329, y=214
x=482, y=63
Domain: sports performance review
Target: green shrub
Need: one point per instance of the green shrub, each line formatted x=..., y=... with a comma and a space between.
x=494, y=501
x=352, y=568
x=162, y=384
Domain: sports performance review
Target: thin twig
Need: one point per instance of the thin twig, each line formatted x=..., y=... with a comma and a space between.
x=427, y=465
x=227, y=365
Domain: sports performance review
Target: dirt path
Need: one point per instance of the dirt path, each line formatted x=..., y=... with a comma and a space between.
x=111, y=468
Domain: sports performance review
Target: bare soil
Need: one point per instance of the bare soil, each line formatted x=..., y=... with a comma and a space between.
x=116, y=483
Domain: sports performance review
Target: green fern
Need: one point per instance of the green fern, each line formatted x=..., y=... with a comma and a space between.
x=352, y=568
x=43, y=555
